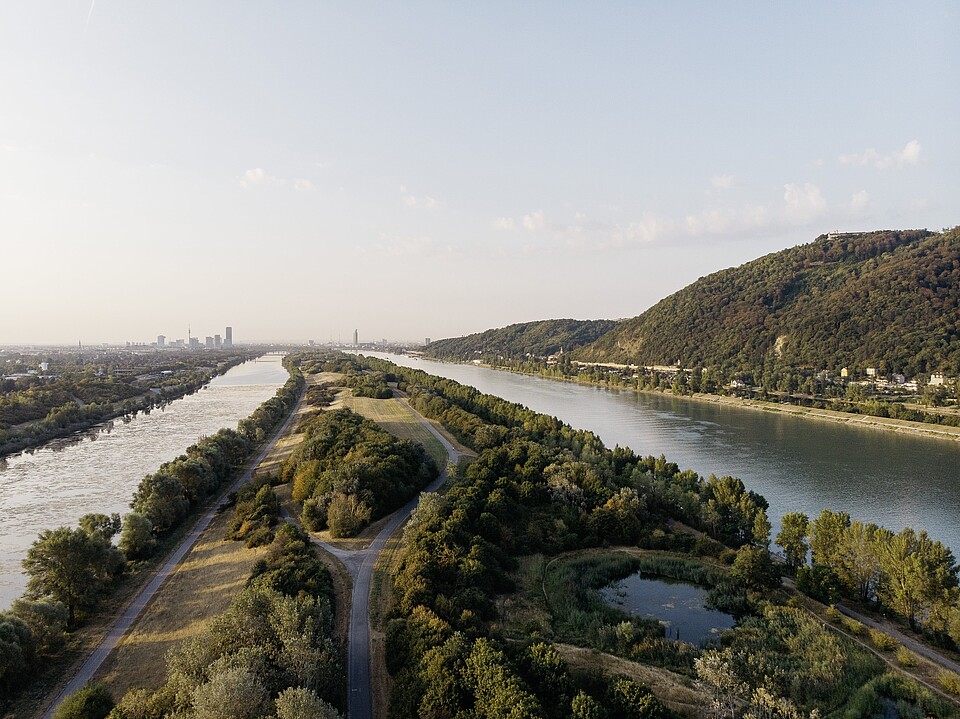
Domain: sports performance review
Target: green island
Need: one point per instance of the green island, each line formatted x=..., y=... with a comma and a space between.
x=486, y=602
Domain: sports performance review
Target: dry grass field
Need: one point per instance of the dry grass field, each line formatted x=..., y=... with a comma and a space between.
x=203, y=586
x=398, y=419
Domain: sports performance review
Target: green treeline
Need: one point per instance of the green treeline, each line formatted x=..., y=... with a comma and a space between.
x=539, y=486
x=348, y=471
x=272, y=655
x=906, y=573
x=72, y=570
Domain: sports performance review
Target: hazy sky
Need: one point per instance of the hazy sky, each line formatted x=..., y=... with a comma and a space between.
x=412, y=169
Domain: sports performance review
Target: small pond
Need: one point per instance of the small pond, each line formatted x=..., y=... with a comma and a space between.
x=680, y=607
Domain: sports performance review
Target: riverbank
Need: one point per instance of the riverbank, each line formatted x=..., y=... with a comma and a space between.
x=829, y=415
x=887, y=424
x=35, y=435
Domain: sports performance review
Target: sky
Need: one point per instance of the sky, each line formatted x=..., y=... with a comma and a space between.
x=414, y=169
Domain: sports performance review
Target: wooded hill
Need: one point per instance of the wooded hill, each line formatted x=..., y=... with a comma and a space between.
x=884, y=299
x=888, y=299
x=538, y=339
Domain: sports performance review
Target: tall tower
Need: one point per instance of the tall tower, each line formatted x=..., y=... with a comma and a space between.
x=228, y=340
x=356, y=338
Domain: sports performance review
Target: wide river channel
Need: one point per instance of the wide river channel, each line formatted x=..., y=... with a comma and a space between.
x=99, y=470
x=894, y=479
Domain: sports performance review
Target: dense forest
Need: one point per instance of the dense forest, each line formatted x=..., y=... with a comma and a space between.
x=889, y=300
x=537, y=339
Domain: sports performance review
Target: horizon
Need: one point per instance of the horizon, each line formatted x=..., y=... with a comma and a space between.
x=435, y=171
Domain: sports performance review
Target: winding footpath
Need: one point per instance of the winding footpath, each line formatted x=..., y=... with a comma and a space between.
x=360, y=563
x=133, y=610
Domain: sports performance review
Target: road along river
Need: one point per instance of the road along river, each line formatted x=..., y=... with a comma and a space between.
x=99, y=470
x=799, y=464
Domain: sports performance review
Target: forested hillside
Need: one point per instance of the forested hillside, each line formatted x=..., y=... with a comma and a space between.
x=886, y=299
x=539, y=339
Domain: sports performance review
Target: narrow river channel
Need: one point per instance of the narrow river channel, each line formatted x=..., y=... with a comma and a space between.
x=890, y=478
x=99, y=470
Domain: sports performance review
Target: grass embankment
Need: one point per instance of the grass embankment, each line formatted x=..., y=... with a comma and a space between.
x=203, y=586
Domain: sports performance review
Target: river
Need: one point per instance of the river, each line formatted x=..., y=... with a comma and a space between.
x=799, y=464
x=98, y=470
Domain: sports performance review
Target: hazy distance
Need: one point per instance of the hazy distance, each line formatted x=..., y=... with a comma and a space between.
x=420, y=169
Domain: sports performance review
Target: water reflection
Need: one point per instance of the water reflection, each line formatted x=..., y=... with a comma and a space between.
x=799, y=464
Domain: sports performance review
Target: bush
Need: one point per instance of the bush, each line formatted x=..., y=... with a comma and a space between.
x=883, y=642
x=950, y=681
x=91, y=702
x=905, y=657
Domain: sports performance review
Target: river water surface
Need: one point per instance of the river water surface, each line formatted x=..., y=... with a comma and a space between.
x=99, y=470
x=893, y=479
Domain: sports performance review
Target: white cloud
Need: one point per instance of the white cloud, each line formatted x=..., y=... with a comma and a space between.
x=505, y=224
x=909, y=155
x=253, y=177
x=258, y=176
x=723, y=182
x=860, y=200
x=803, y=203
x=649, y=228
x=535, y=221
x=426, y=202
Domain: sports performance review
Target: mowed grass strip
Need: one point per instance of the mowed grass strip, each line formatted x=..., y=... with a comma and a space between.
x=203, y=586
x=400, y=421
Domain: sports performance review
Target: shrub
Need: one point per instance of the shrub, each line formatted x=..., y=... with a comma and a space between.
x=883, y=642
x=833, y=614
x=950, y=681
x=905, y=657
x=91, y=702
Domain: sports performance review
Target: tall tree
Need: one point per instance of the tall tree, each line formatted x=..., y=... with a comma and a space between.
x=792, y=538
x=71, y=566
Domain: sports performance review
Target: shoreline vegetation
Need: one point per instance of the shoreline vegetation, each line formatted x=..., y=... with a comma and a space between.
x=867, y=421
x=79, y=578
x=75, y=418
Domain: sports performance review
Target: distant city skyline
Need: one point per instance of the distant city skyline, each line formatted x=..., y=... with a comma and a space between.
x=420, y=169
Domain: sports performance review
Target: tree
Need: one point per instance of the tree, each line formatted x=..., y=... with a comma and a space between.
x=919, y=574
x=91, y=702
x=47, y=622
x=136, y=539
x=715, y=669
x=792, y=538
x=16, y=651
x=100, y=524
x=826, y=537
x=71, y=566
x=235, y=693
x=299, y=703
x=754, y=568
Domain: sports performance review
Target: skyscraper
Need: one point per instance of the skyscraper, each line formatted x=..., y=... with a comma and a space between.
x=356, y=338
x=161, y=341
x=228, y=340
